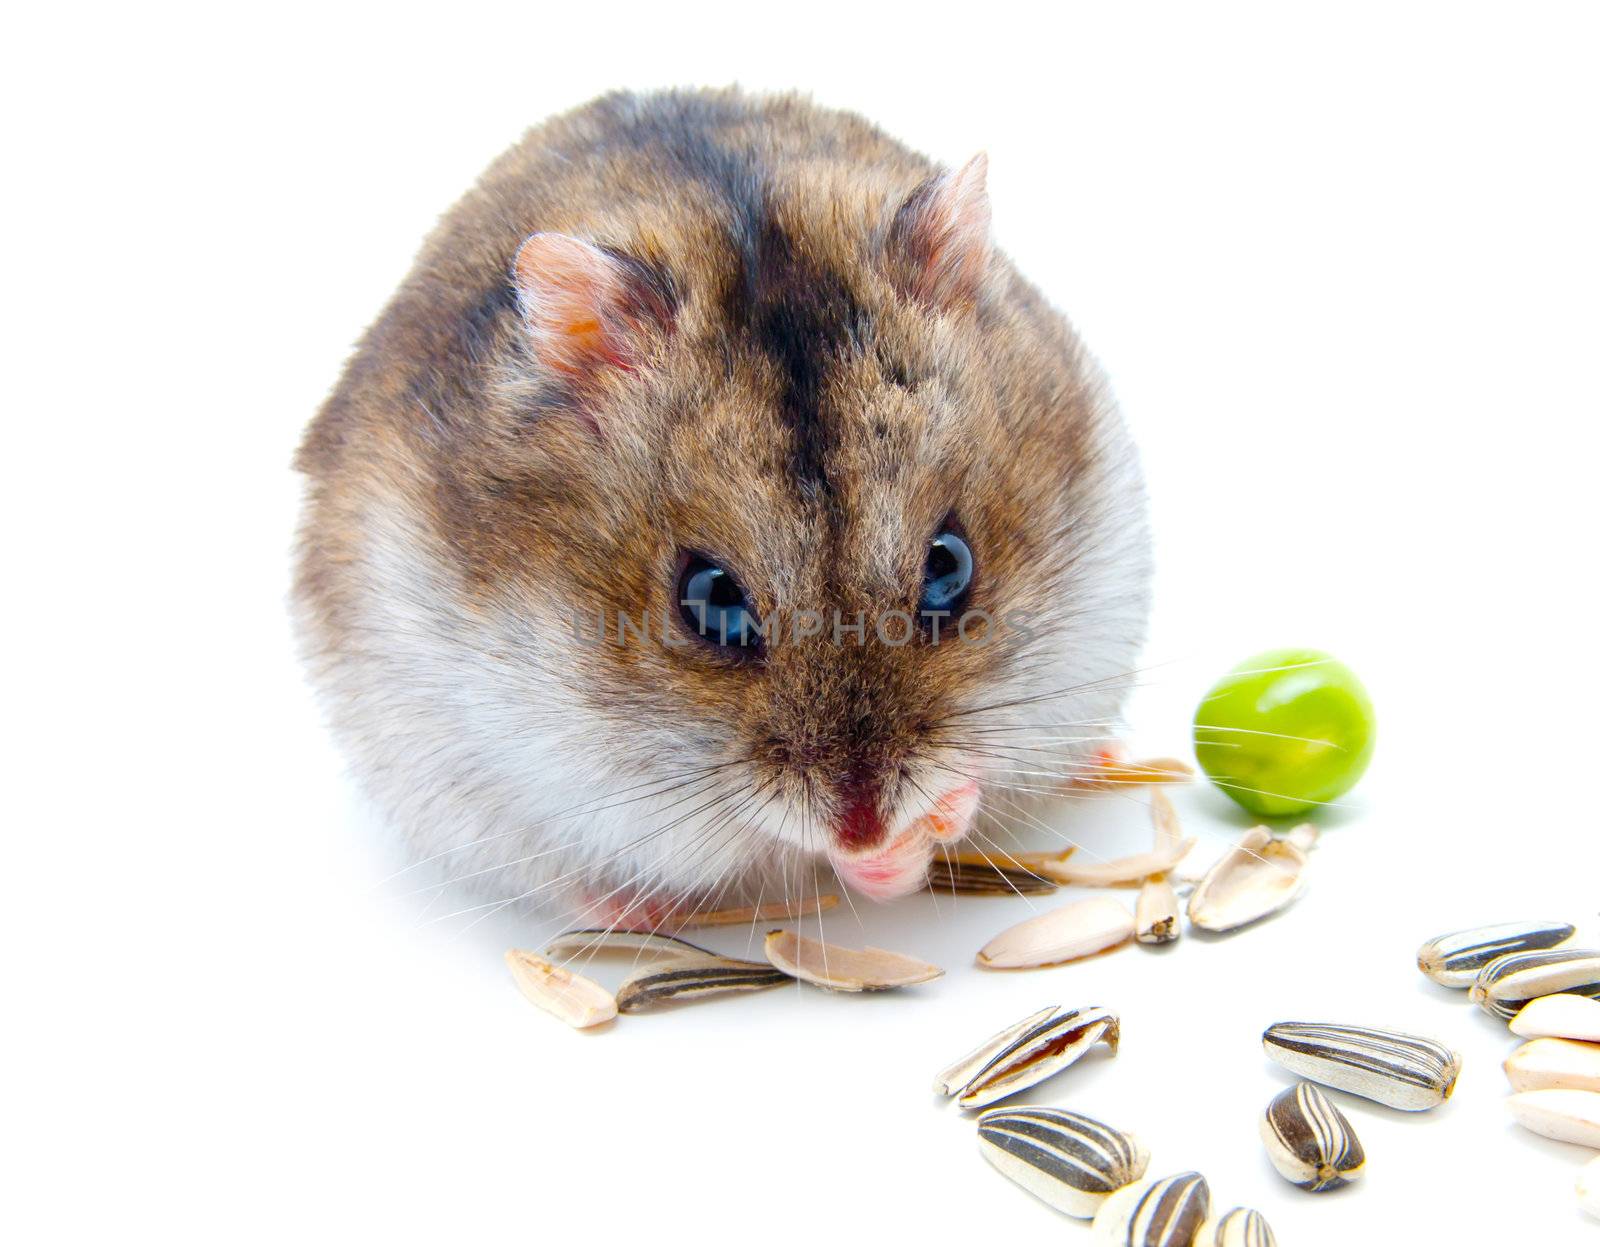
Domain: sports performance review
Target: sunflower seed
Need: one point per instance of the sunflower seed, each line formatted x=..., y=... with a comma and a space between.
x=597, y=941
x=954, y=1077
x=577, y=1001
x=964, y=879
x=1155, y=916
x=1159, y=1212
x=1455, y=959
x=1559, y=1017
x=1079, y=929
x=1310, y=1142
x=773, y=911
x=1589, y=1188
x=1403, y=1071
x=1070, y=1161
x=1558, y=1063
x=1571, y=1116
x=1044, y=1049
x=1242, y=1227
x=1260, y=875
x=1508, y=983
x=845, y=969
x=692, y=978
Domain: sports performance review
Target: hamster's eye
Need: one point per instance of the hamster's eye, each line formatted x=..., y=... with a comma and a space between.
x=947, y=575
x=713, y=605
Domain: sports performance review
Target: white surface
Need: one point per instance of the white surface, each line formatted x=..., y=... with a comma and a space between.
x=1342, y=269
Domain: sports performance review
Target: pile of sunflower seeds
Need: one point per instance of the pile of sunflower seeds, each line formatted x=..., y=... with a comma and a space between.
x=1525, y=974
x=1076, y=1164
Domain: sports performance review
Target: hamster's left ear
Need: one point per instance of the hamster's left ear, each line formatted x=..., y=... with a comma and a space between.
x=585, y=309
x=939, y=242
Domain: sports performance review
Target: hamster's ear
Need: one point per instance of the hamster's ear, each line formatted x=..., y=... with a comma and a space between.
x=939, y=241
x=585, y=309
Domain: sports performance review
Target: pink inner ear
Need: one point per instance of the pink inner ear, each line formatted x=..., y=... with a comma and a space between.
x=942, y=231
x=575, y=301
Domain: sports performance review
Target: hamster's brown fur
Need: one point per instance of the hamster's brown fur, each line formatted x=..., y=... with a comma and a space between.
x=814, y=381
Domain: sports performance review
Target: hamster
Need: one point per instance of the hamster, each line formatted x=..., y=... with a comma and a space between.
x=714, y=506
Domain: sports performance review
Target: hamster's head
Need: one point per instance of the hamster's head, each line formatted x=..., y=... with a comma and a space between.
x=791, y=531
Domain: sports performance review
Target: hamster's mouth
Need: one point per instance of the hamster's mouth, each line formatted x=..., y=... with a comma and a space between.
x=901, y=866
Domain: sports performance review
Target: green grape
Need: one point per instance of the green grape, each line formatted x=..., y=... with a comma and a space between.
x=1285, y=731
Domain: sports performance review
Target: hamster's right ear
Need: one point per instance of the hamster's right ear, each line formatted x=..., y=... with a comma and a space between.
x=585, y=309
x=939, y=244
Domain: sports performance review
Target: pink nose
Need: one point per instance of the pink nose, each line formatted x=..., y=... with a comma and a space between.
x=901, y=866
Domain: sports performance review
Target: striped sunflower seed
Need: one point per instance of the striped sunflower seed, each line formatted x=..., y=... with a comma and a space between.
x=1506, y=984
x=692, y=978
x=1242, y=1227
x=577, y=1001
x=1160, y=1212
x=1571, y=1116
x=954, y=1078
x=1044, y=1049
x=1070, y=1161
x=1403, y=1071
x=1455, y=959
x=1309, y=1141
x=1559, y=1017
x=964, y=878
x=595, y=941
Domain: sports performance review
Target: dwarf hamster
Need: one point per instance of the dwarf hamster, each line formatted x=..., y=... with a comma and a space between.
x=714, y=505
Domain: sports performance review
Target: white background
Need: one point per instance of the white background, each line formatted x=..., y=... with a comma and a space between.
x=1342, y=266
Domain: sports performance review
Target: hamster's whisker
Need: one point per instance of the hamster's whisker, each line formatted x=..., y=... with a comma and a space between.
x=495, y=906
x=673, y=782
x=1251, y=731
x=704, y=787
x=690, y=851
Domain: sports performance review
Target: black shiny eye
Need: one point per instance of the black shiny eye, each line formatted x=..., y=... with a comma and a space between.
x=947, y=575
x=713, y=605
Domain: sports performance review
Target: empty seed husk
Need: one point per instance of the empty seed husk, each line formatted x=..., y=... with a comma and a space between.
x=1571, y=1116
x=1132, y=774
x=845, y=969
x=1070, y=1161
x=964, y=879
x=1556, y=1063
x=1155, y=916
x=1079, y=929
x=772, y=911
x=1310, y=1142
x=1159, y=1212
x=1508, y=983
x=1403, y=1071
x=598, y=941
x=577, y=1001
x=1257, y=877
x=1240, y=1227
x=1117, y=871
x=1041, y=1051
x=1168, y=849
x=693, y=978
x=1559, y=1017
x=1455, y=959
x=1589, y=1188
x=955, y=1077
